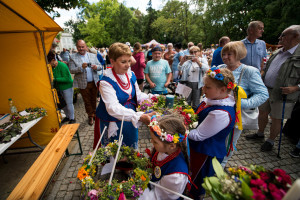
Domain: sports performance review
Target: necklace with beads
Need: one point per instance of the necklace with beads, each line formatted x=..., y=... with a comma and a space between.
x=124, y=86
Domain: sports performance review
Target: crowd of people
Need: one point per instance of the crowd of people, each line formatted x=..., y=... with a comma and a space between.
x=234, y=80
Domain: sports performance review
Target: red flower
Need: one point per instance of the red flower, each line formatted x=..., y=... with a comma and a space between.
x=230, y=85
x=148, y=152
x=259, y=184
x=217, y=71
x=264, y=176
x=276, y=193
x=257, y=194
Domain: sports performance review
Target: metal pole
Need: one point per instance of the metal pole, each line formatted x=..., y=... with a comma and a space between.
x=282, y=118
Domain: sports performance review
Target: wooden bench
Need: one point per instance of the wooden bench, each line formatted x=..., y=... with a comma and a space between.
x=37, y=177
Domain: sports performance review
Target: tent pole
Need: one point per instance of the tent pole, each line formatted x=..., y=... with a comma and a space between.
x=51, y=83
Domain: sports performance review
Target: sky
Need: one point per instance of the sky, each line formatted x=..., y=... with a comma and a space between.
x=66, y=15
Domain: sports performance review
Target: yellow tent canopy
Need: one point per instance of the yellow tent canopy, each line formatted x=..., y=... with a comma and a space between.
x=26, y=35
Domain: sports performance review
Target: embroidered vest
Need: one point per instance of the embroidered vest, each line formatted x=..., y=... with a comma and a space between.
x=215, y=145
x=128, y=101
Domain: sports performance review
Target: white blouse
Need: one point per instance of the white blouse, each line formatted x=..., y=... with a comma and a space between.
x=113, y=107
x=175, y=182
x=215, y=121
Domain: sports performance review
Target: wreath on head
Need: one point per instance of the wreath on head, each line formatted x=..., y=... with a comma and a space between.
x=131, y=188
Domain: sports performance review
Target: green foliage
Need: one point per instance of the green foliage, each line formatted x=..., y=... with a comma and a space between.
x=48, y=5
x=205, y=21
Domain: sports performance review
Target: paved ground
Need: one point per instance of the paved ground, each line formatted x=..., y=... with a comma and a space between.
x=66, y=186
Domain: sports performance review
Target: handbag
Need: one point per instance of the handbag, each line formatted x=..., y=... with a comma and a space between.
x=62, y=103
x=249, y=116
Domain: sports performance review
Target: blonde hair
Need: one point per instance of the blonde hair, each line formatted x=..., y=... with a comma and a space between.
x=117, y=50
x=162, y=47
x=237, y=47
x=193, y=48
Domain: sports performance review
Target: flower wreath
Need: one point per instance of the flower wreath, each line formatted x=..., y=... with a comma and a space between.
x=177, y=137
x=131, y=188
x=215, y=73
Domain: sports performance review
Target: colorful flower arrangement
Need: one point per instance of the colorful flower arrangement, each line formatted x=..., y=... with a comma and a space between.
x=254, y=182
x=34, y=113
x=131, y=188
x=158, y=104
x=178, y=137
x=215, y=73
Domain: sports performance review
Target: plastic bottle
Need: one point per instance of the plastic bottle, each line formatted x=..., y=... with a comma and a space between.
x=12, y=108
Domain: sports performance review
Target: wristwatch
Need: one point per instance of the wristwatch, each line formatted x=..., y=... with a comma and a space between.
x=299, y=86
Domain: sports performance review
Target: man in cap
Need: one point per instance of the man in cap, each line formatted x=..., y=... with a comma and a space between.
x=158, y=72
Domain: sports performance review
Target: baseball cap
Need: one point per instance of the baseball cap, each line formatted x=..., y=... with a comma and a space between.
x=157, y=48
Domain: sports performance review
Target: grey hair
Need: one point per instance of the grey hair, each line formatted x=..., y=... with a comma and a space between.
x=253, y=24
x=170, y=44
x=295, y=30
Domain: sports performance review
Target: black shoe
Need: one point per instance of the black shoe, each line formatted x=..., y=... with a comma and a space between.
x=254, y=136
x=72, y=121
x=295, y=153
x=65, y=120
x=267, y=146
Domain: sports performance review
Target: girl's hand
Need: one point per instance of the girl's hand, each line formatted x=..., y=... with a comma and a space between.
x=146, y=118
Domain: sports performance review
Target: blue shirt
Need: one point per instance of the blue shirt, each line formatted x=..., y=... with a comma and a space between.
x=255, y=53
x=89, y=72
x=158, y=71
x=217, y=58
x=176, y=60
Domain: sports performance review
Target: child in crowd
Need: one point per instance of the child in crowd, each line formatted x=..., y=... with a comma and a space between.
x=169, y=157
x=216, y=118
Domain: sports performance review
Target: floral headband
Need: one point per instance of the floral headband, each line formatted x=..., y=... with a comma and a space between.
x=163, y=135
x=215, y=73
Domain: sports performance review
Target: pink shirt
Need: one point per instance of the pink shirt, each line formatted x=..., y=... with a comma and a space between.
x=139, y=66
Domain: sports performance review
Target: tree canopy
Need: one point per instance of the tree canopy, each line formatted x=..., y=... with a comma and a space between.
x=204, y=21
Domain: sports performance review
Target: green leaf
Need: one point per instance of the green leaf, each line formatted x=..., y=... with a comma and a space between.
x=207, y=184
x=246, y=191
x=218, y=168
x=214, y=181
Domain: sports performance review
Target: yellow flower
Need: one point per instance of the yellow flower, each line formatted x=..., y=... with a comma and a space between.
x=175, y=138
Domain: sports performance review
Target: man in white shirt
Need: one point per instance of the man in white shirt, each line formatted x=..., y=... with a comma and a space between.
x=282, y=77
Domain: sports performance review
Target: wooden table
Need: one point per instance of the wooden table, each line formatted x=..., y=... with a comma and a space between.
x=25, y=129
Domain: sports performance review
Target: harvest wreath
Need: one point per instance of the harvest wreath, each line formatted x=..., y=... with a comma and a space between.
x=100, y=189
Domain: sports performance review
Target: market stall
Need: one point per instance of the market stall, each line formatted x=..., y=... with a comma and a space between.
x=27, y=33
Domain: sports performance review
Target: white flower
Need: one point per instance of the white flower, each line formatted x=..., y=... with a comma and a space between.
x=213, y=74
x=189, y=115
x=195, y=124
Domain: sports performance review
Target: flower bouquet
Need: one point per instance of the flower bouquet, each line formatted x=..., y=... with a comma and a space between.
x=99, y=189
x=158, y=104
x=254, y=182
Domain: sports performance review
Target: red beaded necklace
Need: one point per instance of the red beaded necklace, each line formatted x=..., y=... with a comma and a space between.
x=124, y=86
x=167, y=159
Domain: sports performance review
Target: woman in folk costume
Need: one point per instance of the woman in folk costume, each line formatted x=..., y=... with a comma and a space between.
x=169, y=158
x=120, y=95
x=216, y=118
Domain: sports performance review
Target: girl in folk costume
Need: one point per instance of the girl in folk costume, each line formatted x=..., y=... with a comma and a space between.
x=120, y=95
x=169, y=157
x=216, y=118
